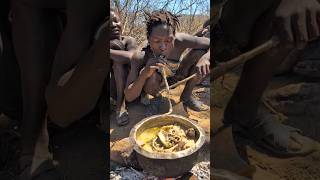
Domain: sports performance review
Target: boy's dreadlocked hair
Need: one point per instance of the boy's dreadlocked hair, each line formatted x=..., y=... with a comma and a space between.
x=161, y=17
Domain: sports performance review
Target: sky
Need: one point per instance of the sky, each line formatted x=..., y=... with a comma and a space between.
x=201, y=7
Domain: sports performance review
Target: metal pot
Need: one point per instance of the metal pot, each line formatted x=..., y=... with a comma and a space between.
x=167, y=164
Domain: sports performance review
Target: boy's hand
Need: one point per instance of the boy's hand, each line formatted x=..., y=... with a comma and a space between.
x=148, y=71
x=203, y=66
x=152, y=65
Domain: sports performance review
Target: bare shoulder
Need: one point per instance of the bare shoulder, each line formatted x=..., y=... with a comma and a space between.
x=129, y=39
x=130, y=42
x=137, y=59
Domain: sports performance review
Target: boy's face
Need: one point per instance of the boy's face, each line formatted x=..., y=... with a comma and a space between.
x=115, y=25
x=161, y=40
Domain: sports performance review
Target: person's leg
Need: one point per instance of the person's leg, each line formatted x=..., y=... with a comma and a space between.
x=71, y=100
x=120, y=78
x=113, y=86
x=255, y=76
x=237, y=21
x=120, y=75
x=153, y=84
x=187, y=67
x=188, y=61
x=242, y=109
x=187, y=98
x=35, y=38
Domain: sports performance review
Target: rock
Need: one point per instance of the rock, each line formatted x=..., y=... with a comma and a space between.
x=126, y=173
x=308, y=68
x=122, y=152
x=310, y=64
x=202, y=170
x=296, y=99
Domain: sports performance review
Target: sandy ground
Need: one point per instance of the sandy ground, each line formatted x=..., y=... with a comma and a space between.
x=268, y=167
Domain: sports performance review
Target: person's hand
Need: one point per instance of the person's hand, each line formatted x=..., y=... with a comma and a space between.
x=300, y=19
x=205, y=31
x=152, y=65
x=203, y=66
x=148, y=71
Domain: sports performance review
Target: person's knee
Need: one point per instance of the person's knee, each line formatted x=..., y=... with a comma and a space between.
x=188, y=63
x=152, y=85
x=197, y=54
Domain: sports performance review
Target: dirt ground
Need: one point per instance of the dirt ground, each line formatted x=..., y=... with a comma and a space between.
x=268, y=167
x=138, y=111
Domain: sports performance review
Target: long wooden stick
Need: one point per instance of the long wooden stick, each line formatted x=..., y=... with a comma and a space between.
x=223, y=68
x=182, y=81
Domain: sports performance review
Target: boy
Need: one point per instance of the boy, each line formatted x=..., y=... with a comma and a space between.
x=164, y=41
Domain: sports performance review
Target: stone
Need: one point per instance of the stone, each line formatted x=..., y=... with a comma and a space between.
x=122, y=152
x=296, y=99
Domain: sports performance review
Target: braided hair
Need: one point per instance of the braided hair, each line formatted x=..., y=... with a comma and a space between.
x=161, y=17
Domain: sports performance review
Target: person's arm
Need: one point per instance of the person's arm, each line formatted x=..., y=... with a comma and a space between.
x=203, y=65
x=134, y=89
x=204, y=29
x=136, y=79
x=199, y=33
x=81, y=87
x=131, y=43
x=122, y=57
x=190, y=41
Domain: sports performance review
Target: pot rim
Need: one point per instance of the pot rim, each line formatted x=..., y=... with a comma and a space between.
x=174, y=155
